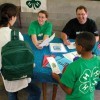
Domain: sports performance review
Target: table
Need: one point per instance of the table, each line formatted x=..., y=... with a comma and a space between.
x=41, y=74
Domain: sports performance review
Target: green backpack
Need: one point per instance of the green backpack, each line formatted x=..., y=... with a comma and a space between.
x=17, y=59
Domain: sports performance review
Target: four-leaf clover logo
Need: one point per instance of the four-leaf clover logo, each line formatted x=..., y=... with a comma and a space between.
x=88, y=80
x=33, y=3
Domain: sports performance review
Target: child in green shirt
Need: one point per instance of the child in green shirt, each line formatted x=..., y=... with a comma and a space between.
x=96, y=51
x=80, y=77
x=40, y=29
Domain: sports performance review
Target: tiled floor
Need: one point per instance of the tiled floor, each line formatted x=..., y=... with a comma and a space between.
x=22, y=95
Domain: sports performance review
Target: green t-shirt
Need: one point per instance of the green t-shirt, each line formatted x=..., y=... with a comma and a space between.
x=82, y=76
x=40, y=31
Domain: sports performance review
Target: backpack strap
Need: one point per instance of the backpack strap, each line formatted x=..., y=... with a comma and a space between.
x=14, y=35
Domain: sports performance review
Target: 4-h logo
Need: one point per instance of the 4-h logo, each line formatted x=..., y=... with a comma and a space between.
x=33, y=3
x=88, y=80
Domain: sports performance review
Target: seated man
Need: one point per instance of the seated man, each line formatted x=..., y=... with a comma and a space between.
x=78, y=24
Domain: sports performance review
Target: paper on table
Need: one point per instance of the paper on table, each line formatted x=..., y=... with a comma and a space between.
x=72, y=45
x=75, y=54
x=46, y=41
x=53, y=65
x=57, y=47
x=70, y=56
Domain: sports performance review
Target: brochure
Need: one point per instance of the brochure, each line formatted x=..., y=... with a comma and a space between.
x=53, y=65
x=57, y=47
x=61, y=62
x=47, y=41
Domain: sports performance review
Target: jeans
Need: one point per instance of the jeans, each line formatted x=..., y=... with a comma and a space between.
x=33, y=91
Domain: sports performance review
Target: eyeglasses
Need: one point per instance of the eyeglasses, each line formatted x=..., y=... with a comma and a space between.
x=41, y=17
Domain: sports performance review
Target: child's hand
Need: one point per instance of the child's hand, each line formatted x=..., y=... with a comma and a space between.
x=56, y=76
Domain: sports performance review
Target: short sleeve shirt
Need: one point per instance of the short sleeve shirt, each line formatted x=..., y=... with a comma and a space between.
x=73, y=27
x=82, y=76
x=40, y=31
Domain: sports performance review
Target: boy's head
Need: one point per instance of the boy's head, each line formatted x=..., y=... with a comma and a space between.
x=7, y=13
x=85, y=42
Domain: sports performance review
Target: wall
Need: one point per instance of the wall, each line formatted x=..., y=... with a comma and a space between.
x=60, y=11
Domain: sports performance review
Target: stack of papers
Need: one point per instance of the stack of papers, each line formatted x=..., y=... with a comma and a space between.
x=57, y=48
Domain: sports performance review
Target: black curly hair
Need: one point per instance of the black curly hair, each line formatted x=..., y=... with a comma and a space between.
x=86, y=40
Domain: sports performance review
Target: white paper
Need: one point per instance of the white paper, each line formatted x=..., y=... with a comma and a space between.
x=70, y=56
x=52, y=37
x=46, y=41
x=53, y=65
x=72, y=45
x=57, y=47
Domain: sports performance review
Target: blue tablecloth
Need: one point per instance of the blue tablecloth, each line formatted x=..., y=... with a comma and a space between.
x=41, y=74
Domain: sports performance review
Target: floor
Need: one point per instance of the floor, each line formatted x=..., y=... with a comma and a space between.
x=22, y=95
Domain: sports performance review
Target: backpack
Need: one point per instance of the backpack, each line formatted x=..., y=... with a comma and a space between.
x=17, y=59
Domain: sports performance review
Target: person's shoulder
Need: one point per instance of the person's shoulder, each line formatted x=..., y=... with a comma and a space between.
x=73, y=20
x=90, y=20
x=76, y=62
x=34, y=22
x=48, y=23
x=96, y=58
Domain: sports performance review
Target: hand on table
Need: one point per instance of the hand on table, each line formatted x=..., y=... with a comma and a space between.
x=66, y=42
